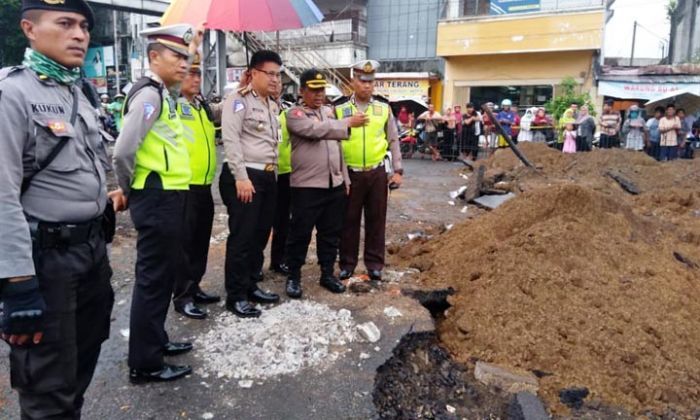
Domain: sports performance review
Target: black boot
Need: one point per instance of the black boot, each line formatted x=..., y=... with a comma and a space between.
x=294, y=285
x=330, y=281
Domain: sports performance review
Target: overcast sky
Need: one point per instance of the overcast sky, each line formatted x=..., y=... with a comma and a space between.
x=651, y=14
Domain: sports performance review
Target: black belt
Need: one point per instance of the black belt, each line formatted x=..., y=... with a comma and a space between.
x=57, y=235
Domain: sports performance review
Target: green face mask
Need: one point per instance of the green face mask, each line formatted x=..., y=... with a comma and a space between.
x=44, y=65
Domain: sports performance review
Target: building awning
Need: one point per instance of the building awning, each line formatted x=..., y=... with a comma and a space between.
x=648, y=88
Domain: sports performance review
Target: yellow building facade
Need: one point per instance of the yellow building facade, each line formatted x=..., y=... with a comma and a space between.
x=522, y=57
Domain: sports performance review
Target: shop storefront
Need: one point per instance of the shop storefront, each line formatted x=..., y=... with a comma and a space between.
x=422, y=88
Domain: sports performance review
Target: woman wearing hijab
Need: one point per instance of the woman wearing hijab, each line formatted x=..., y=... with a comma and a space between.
x=538, y=123
x=566, y=119
x=585, y=129
x=634, y=130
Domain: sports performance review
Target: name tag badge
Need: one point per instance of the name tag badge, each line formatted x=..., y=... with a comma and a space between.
x=377, y=110
x=58, y=128
x=347, y=112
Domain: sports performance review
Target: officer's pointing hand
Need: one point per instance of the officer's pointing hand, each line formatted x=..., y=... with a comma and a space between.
x=357, y=120
x=245, y=191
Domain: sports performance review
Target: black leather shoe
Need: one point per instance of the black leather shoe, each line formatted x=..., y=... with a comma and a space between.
x=375, y=274
x=261, y=296
x=280, y=269
x=166, y=373
x=190, y=310
x=243, y=309
x=173, y=349
x=257, y=277
x=201, y=297
x=346, y=274
x=332, y=283
x=294, y=288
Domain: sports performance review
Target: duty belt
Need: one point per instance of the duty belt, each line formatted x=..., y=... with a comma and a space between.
x=57, y=235
x=267, y=167
x=365, y=168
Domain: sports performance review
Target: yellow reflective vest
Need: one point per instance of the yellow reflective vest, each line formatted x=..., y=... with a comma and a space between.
x=284, y=155
x=367, y=145
x=163, y=151
x=202, y=148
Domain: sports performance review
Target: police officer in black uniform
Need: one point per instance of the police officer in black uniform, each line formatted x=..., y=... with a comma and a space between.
x=54, y=269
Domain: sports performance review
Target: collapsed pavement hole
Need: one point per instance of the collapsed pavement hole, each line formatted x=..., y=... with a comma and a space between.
x=421, y=380
x=434, y=301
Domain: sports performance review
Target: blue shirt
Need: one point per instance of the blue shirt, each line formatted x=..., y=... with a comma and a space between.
x=506, y=118
x=654, y=133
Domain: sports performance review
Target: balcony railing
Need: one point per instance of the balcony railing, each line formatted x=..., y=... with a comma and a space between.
x=324, y=33
x=456, y=9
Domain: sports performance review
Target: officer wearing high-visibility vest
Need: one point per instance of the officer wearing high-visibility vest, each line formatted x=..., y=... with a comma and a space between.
x=153, y=171
x=54, y=270
x=364, y=154
x=198, y=118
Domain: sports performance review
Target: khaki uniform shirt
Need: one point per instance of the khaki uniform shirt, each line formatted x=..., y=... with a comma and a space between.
x=317, y=157
x=250, y=131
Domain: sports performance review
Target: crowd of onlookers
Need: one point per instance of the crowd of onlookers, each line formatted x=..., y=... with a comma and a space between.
x=668, y=134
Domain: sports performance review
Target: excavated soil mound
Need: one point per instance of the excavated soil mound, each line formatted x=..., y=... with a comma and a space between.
x=579, y=279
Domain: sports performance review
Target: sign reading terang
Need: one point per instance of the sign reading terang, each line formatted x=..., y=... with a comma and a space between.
x=400, y=89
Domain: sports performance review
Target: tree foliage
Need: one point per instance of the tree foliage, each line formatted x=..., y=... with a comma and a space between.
x=12, y=41
x=567, y=96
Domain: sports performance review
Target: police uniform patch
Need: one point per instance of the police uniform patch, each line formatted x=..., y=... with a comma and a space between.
x=298, y=113
x=58, y=128
x=347, y=112
x=148, y=110
x=238, y=106
x=186, y=110
x=377, y=110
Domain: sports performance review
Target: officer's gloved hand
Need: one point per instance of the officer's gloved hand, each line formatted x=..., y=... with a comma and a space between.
x=23, y=310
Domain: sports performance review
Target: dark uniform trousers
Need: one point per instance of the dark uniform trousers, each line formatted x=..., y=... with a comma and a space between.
x=52, y=377
x=158, y=217
x=199, y=219
x=368, y=192
x=280, y=226
x=249, y=229
x=320, y=208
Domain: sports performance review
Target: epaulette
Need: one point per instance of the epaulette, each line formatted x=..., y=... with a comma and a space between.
x=380, y=98
x=8, y=71
x=340, y=100
x=245, y=90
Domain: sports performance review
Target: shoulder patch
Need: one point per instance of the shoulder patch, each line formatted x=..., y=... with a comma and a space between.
x=297, y=113
x=148, y=110
x=238, y=105
x=8, y=71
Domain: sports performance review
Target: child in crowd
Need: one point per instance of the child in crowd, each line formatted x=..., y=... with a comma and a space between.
x=569, y=138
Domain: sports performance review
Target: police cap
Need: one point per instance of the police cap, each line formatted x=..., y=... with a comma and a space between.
x=75, y=6
x=174, y=37
x=313, y=79
x=365, y=69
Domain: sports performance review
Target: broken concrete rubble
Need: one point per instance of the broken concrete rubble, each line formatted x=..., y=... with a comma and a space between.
x=369, y=332
x=506, y=379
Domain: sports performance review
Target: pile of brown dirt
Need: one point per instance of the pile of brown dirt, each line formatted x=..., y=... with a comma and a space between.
x=577, y=278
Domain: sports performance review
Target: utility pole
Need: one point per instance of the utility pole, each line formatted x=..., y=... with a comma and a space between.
x=116, y=50
x=634, y=38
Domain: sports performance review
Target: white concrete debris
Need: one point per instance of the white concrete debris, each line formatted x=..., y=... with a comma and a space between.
x=220, y=237
x=449, y=226
x=452, y=203
x=207, y=416
x=464, y=210
x=121, y=302
x=245, y=383
x=415, y=235
x=364, y=356
x=285, y=339
x=392, y=312
x=450, y=409
x=369, y=332
x=124, y=332
x=457, y=193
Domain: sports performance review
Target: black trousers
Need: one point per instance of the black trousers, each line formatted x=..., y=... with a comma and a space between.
x=158, y=217
x=320, y=208
x=609, y=142
x=199, y=219
x=280, y=225
x=249, y=228
x=52, y=377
